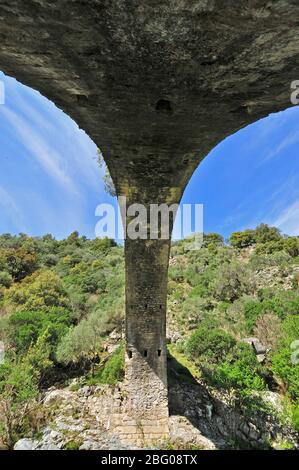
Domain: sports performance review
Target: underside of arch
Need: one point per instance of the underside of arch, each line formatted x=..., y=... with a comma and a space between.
x=156, y=85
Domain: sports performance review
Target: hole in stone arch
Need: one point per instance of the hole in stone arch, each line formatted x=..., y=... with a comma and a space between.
x=160, y=307
x=145, y=353
x=159, y=352
x=130, y=354
x=82, y=99
x=145, y=306
x=164, y=106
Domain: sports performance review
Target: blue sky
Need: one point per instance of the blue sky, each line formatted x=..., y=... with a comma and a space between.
x=50, y=181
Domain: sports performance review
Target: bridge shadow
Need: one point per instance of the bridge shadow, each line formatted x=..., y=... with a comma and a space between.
x=215, y=419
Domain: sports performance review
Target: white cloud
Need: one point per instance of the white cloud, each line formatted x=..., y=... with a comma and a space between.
x=76, y=151
x=7, y=201
x=11, y=209
x=291, y=139
x=288, y=219
x=40, y=149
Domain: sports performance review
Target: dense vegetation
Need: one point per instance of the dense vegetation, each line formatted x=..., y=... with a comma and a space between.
x=60, y=300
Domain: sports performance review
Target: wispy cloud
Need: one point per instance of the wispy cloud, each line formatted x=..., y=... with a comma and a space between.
x=47, y=164
x=40, y=149
x=75, y=150
x=291, y=139
x=288, y=219
x=8, y=203
x=7, y=200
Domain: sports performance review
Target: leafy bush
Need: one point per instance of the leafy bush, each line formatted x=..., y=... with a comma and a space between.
x=113, y=370
x=194, y=309
x=19, y=262
x=282, y=304
x=41, y=290
x=289, y=245
x=241, y=371
x=84, y=341
x=19, y=389
x=231, y=282
x=282, y=364
x=242, y=239
x=213, y=344
x=252, y=310
x=6, y=279
x=262, y=234
x=25, y=327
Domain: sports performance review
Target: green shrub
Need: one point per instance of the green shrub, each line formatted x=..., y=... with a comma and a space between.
x=241, y=371
x=284, y=361
x=20, y=377
x=242, y=239
x=83, y=341
x=262, y=234
x=6, y=279
x=38, y=291
x=252, y=310
x=113, y=370
x=212, y=344
x=231, y=282
x=73, y=445
x=24, y=328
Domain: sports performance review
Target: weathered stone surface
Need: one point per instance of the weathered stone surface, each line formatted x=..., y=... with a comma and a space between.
x=156, y=85
x=98, y=421
x=25, y=444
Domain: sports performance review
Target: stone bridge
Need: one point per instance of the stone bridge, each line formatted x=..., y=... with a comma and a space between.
x=156, y=84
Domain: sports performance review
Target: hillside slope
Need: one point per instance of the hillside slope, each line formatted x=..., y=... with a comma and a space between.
x=233, y=330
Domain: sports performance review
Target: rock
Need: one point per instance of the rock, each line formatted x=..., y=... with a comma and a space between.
x=257, y=346
x=85, y=391
x=209, y=409
x=26, y=444
x=87, y=445
x=261, y=358
x=181, y=430
x=49, y=446
x=58, y=397
x=273, y=399
x=70, y=426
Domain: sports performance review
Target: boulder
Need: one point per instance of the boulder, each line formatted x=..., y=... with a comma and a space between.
x=26, y=444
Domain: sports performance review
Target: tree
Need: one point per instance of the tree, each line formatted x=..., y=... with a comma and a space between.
x=213, y=239
x=19, y=262
x=263, y=233
x=242, y=239
x=19, y=389
x=5, y=279
x=232, y=280
x=24, y=328
x=41, y=290
x=212, y=344
x=83, y=341
x=108, y=182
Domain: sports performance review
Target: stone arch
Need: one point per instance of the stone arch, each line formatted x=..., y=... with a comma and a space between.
x=217, y=66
